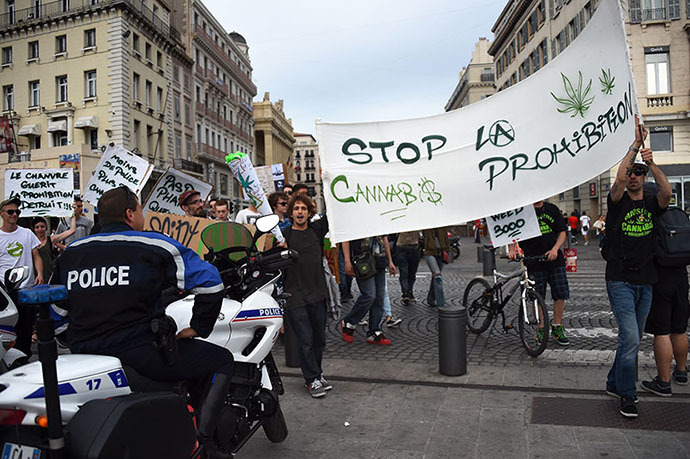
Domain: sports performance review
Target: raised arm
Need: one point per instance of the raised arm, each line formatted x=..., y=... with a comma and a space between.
x=664, y=195
x=65, y=234
x=625, y=167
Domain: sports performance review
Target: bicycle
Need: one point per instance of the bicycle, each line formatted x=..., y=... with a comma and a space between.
x=485, y=302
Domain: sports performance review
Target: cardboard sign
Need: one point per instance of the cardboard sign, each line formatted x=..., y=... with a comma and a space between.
x=44, y=192
x=117, y=167
x=514, y=225
x=185, y=230
x=163, y=198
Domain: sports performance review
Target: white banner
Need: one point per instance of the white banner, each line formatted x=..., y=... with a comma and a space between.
x=569, y=122
x=514, y=225
x=167, y=190
x=117, y=167
x=44, y=192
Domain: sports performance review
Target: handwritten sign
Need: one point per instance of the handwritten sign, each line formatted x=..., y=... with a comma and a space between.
x=44, y=192
x=117, y=167
x=265, y=176
x=163, y=198
x=514, y=225
x=185, y=230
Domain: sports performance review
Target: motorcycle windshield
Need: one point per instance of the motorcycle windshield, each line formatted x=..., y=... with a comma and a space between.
x=224, y=235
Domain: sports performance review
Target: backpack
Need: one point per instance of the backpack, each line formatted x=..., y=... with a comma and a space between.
x=672, y=238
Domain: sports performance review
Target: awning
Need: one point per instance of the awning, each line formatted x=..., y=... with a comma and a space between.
x=55, y=126
x=29, y=130
x=87, y=122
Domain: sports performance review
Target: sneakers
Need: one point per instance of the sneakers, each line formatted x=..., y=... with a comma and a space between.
x=408, y=297
x=628, y=408
x=558, y=332
x=364, y=322
x=658, y=387
x=392, y=321
x=540, y=335
x=379, y=338
x=326, y=385
x=680, y=377
x=316, y=388
x=613, y=393
x=348, y=331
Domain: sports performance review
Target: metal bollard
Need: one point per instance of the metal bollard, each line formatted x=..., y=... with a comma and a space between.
x=452, y=341
x=291, y=344
x=489, y=263
x=480, y=252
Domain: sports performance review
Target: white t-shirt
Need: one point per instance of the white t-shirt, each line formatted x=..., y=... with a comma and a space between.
x=246, y=216
x=584, y=223
x=15, y=250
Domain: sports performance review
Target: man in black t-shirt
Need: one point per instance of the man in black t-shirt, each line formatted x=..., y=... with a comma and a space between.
x=552, y=270
x=630, y=270
x=306, y=283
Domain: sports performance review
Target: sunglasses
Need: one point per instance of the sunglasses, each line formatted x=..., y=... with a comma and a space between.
x=283, y=203
x=13, y=211
x=288, y=192
x=639, y=172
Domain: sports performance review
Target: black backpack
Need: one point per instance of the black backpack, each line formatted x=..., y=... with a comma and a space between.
x=672, y=238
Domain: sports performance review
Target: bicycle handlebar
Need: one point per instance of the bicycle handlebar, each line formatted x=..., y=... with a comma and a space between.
x=528, y=259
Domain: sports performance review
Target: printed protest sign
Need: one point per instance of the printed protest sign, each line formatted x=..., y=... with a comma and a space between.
x=71, y=161
x=278, y=176
x=167, y=190
x=185, y=230
x=117, y=167
x=513, y=225
x=566, y=123
x=44, y=192
x=265, y=176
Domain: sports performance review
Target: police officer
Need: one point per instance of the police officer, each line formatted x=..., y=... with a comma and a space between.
x=115, y=281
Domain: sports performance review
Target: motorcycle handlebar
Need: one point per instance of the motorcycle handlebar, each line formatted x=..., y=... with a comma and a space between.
x=277, y=256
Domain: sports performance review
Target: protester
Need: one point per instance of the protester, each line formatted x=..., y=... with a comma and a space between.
x=278, y=201
x=345, y=285
x=222, y=210
x=584, y=226
x=212, y=208
x=372, y=289
x=477, y=227
x=19, y=247
x=600, y=227
x=305, y=282
x=190, y=201
x=46, y=249
x=630, y=269
x=573, y=221
x=84, y=225
x=552, y=270
x=247, y=216
x=287, y=189
x=407, y=260
x=435, y=243
x=115, y=317
x=300, y=188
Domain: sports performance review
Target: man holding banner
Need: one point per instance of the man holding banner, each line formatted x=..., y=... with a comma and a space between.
x=629, y=253
x=551, y=271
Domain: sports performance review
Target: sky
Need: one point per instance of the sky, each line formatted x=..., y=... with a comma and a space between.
x=358, y=60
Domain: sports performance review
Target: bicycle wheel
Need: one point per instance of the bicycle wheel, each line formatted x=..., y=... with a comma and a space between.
x=477, y=302
x=528, y=323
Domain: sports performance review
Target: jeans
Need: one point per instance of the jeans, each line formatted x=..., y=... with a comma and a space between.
x=435, y=297
x=387, y=311
x=407, y=260
x=370, y=301
x=309, y=325
x=345, y=280
x=630, y=304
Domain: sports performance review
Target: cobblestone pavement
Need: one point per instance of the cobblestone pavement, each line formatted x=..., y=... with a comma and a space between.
x=588, y=320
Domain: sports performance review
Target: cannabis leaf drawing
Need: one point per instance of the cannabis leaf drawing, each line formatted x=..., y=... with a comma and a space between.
x=607, y=82
x=577, y=101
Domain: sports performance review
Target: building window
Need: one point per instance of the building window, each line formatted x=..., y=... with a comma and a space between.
x=33, y=50
x=223, y=184
x=61, y=84
x=159, y=99
x=6, y=56
x=11, y=11
x=59, y=138
x=93, y=139
x=198, y=135
x=135, y=134
x=176, y=105
x=661, y=138
x=188, y=146
x=149, y=140
x=8, y=97
x=674, y=9
x=178, y=146
x=187, y=115
x=90, y=39
x=135, y=44
x=208, y=137
x=64, y=5
x=149, y=88
x=147, y=52
x=576, y=193
x=135, y=86
x=90, y=81
x=176, y=73
x=658, y=74
x=60, y=44
x=35, y=142
x=654, y=10
x=159, y=59
x=34, y=93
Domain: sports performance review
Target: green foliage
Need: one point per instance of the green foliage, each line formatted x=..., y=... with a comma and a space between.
x=606, y=81
x=577, y=100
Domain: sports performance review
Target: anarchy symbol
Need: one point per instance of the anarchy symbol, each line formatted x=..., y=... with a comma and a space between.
x=501, y=133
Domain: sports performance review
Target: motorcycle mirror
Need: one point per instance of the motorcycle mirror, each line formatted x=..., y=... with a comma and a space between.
x=266, y=223
x=16, y=276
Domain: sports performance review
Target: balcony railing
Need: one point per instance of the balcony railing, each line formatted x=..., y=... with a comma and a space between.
x=659, y=101
x=489, y=76
x=54, y=10
x=189, y=166
x=648, y=14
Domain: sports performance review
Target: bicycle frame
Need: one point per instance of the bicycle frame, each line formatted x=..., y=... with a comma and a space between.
x=500, y=280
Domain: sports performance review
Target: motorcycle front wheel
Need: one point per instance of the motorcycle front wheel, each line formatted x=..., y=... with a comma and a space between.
x=275, y=427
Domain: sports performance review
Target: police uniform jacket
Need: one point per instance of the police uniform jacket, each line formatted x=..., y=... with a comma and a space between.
x=115, y=281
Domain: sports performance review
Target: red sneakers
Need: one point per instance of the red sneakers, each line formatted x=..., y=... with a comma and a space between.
x=347, y=331
x=379, y=338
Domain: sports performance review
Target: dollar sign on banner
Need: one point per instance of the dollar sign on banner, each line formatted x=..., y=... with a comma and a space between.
x=428, y=187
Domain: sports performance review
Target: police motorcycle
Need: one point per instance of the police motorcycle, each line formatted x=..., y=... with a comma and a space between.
x=91, y=406
x=9, y=356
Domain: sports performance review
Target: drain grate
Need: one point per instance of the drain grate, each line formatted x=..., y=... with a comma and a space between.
x=673, y=416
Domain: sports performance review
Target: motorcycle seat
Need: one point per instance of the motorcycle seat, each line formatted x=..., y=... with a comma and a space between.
x=141, y=383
